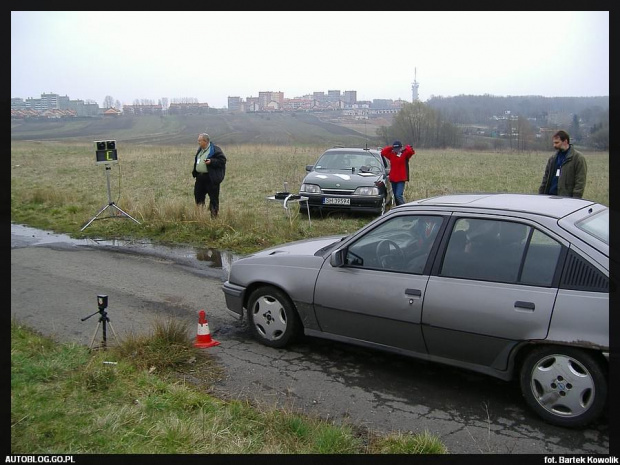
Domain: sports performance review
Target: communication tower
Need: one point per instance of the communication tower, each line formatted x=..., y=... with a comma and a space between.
x=414, y=87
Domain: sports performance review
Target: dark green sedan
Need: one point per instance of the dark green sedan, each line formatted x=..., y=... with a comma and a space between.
x=353, y=179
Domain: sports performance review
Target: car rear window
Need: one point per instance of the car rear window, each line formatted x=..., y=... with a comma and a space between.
x=596, y=225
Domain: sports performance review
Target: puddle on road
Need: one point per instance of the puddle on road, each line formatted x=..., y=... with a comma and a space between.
x=214, y=262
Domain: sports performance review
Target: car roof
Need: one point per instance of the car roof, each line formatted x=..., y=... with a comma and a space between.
x=351, y=149
x=546, y=205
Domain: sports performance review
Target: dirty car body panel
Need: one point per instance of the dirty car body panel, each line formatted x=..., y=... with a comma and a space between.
x=509, y=285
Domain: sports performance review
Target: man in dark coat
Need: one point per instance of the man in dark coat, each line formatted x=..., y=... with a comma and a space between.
x=566, y=170
x=209, y=171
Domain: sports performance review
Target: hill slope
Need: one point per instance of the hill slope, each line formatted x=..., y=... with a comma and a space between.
x=224, y=128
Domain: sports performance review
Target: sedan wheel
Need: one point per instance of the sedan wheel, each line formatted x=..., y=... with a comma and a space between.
x=272, y=317
x=565, y=386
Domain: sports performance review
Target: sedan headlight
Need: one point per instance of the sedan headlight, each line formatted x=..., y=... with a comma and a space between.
x=366, y=191
x=310, y=189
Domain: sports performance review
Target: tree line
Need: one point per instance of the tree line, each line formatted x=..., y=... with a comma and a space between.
x=488, y=122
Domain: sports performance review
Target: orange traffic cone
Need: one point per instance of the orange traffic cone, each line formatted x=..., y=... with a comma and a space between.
x=203, y=335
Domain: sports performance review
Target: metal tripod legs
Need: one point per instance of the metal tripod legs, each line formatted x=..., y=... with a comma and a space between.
x=104, y=341
x=110, y=204
x=113, y=205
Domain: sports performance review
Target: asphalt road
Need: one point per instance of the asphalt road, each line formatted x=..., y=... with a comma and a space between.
x=55, y=283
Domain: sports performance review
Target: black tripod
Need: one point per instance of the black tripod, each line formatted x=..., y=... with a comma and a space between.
x=110, y=204
x=102, y=301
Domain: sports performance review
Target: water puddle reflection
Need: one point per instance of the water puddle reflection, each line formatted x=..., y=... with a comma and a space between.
x=213, y=262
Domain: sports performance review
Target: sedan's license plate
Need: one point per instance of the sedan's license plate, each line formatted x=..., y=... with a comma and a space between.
x=336, y=201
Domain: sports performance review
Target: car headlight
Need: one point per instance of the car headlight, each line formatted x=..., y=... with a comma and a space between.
x=366, y=191
x=310, y=189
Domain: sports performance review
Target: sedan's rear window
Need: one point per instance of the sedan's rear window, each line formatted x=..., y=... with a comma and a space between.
x=500, y=251
x=596, y=225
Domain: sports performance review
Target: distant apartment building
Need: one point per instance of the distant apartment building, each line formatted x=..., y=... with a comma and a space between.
x=268, y=100
x=48, y=102
x=18, y=103
x=333, y=95
x=275, y=101
x=234, y=103
x=320, y=97
x=35, y=104
x=252, y=104
x=278, y=97
x=350, y=97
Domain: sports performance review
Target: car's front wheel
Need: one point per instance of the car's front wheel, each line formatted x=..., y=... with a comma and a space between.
x=564, y=385
x=272, y=317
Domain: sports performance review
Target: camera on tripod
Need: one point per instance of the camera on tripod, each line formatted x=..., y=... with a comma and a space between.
x=102, y=304
x=105, y=151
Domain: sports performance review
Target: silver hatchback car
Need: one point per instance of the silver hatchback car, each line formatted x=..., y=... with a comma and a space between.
x=509, y=285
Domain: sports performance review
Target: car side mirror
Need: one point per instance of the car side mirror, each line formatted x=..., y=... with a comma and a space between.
x=365, y=169
x=309, y=167
x=337, y=258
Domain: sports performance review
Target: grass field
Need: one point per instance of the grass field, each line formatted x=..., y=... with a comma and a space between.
x=58, y=391
x=57, y=186
x=150, y=396
x=225, y=128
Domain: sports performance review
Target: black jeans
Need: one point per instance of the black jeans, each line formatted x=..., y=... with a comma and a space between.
x=203, y=187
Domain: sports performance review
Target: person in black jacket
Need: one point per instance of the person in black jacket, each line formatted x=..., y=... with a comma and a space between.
x=566, y=170
x=209, y=171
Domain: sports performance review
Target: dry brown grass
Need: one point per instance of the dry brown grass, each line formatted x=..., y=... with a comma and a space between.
x=58, y=186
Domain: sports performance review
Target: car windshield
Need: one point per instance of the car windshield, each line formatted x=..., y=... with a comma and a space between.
x=596, y=225
x=348, y=161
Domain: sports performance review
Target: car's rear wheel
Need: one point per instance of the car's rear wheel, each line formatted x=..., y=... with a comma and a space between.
x=564, y=385
x=272, y=317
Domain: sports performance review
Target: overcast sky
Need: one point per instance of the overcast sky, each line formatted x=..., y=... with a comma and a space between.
x=210, y=56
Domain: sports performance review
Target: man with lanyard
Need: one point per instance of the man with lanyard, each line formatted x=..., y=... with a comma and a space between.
x=209, y=171
x=566, y=170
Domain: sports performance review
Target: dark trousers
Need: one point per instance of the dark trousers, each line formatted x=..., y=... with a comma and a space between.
x=398, y=189
x=204, y=187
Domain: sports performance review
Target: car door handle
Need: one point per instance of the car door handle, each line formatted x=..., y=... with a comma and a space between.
x=416, y=292
x=526, y=305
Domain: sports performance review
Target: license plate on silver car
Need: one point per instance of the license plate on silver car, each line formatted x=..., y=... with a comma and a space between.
x=336, y=201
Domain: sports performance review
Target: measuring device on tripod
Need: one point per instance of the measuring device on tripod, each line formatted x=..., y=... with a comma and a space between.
x=102, y=304
x=106, y=154
x=105, y=151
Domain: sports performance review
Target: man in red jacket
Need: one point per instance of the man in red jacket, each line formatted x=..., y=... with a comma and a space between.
x=399, y=171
